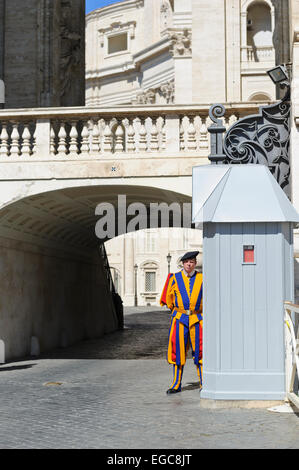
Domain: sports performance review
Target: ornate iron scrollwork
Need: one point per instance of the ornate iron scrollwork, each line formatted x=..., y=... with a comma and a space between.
x=262, y=138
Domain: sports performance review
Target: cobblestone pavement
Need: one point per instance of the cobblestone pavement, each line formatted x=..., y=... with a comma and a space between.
x=110, y=394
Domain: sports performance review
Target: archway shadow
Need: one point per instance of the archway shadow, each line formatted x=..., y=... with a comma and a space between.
x=14, y=368
x=144, y=336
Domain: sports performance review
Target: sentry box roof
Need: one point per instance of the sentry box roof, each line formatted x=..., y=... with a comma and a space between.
x=238, y=193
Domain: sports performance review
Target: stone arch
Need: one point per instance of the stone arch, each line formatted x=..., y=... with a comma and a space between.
x=245, y=7
x=52, y=271
x=260, y=96
x=247, y=3
x=259, y=24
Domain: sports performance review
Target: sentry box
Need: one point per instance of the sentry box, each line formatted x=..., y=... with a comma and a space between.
x=248, y=273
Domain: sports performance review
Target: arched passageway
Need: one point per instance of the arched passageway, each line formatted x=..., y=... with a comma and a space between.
x=140, y=261
x=54, y=288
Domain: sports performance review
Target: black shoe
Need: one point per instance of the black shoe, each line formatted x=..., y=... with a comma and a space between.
x=172, y=390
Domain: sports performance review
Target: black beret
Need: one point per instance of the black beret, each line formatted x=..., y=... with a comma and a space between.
x=189, y=255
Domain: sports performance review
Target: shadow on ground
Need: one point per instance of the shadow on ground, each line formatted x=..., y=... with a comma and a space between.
x=144, y=337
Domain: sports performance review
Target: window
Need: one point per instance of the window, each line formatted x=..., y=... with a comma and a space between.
x=117, y=43
x=259, y=27
x=150, y=281
x=150, y=242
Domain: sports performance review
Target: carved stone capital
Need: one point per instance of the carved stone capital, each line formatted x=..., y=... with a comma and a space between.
x=149, y=96
x=167, y=90
x=146, y=97
x=181, y=43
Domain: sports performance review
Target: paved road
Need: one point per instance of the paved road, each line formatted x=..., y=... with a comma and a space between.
x=110, y=394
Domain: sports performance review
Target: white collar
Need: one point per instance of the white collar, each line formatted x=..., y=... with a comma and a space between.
x=189, y=275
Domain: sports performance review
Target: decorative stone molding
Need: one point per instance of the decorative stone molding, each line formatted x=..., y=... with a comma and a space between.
x=146, y=97
x=153, y=265
x=150, y=96
x=166, y=15
x=117, y=27
x=167, y=90
x=181, y=43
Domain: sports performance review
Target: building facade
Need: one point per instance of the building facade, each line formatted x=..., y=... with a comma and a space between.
x=140, y=261
x=165, y=52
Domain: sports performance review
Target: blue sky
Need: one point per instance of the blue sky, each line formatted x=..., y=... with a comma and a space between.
x=93, y=4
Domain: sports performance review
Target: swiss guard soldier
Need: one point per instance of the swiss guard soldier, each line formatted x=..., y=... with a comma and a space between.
x=182, y=294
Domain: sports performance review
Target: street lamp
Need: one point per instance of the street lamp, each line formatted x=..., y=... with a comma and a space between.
x=278, y=74
x=135, y=286
x=168, y=257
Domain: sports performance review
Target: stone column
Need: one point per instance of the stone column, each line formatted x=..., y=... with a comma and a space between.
x=129, y=271
x=243, y=27
x=208, y=51
x=181, y=38
x=233, y=66
x=72, y=53
x=280, y=15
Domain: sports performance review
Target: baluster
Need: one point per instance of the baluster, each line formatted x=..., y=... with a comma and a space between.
x=4, y=150
x=85, y=139
x=52, y=140
x=203, y=134
x=15, y=136
x=191, y=141
x=34, y=146
x=25, y=147
x=209, y=122
x=154, y=144
x=74, y=150
x=131, y=146
x=62, y=139
x=142, y=136
x=119, y=139
x=107, y=145
x=95, y=137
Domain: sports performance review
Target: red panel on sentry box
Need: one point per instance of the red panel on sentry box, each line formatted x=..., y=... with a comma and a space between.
x=248, y=254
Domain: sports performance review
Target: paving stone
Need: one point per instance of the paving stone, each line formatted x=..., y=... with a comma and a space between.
x=112, y=396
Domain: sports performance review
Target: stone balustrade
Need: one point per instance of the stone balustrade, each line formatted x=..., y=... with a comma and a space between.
x=260, y=54
x=99, y=133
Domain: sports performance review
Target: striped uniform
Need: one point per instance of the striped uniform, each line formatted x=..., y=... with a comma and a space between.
x=183, y=295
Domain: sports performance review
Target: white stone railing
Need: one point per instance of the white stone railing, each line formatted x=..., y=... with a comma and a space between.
x=292, y=350
x=259, y=54
x=72, y=133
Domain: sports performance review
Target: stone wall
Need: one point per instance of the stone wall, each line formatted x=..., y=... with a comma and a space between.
x=44, y=53
x=51, y=296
